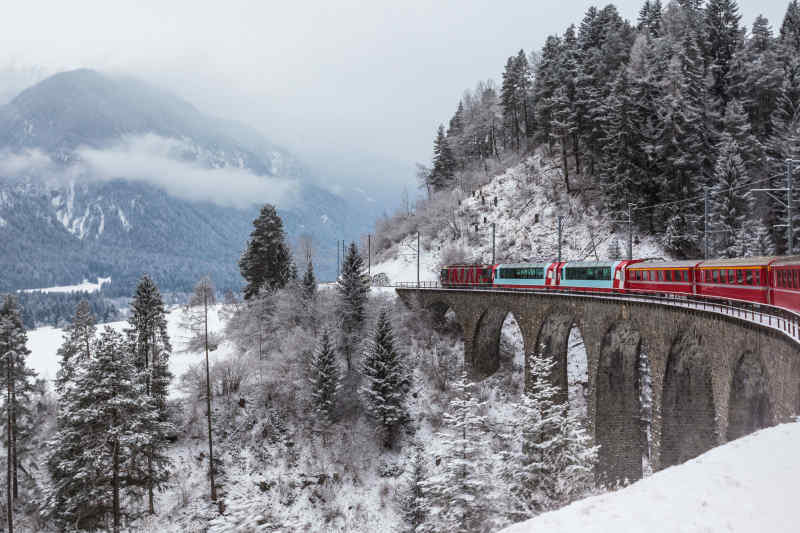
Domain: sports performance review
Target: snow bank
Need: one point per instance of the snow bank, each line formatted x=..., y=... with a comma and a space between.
x=748, y=485
x=86, y=286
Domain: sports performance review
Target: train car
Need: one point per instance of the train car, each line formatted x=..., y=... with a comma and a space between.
x=596, y=276
x=745, y=278
x=467, y=275
x=662, y=276
x=784, y=282
x=522, y=275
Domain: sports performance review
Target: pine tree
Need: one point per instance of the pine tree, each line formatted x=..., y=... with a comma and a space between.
x=17, y=380
x=461, y=490
x=76, y=345
x=552, y=460
x=730, y=209
x=413, y=501
x=442, y=175
x=151, y=346
x=790, y=29
x=309, y=295
x=650, y=18
x=723, y=38
x=102, y=419
x=386, y=381
x=325, y=382
x=352, y=288
x=265, y=261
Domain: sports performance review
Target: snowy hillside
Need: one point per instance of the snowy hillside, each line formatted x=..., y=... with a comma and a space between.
x=524, y=204
x=746, y=486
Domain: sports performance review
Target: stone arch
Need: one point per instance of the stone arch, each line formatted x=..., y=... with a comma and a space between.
x=552, y=342
x=485, y=351
x=749, y=407
x=687, y=402
x=618, y=413
x=443, y=316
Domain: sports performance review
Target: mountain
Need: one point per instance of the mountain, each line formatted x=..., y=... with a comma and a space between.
x=109, y=176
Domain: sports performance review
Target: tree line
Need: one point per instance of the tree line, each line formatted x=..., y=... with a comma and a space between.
x=650, y=115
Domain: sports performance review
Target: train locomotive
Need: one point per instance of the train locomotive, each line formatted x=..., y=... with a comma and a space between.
x=763, y=280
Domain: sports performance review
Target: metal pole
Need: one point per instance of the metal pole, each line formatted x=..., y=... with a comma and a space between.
x=418, y=250
x=560, y=218
x=337, y=259
x=705, y=224
x=369, y=255
x=630, y=231
x=493, y=241
x=789, y=205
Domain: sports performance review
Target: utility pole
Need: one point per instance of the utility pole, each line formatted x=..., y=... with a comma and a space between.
x=493, y=241
x=418, y=250
x=630, y=231
x=369, y=255
x=337, y=259
x=208, y=397
x=560, y=218
x=789, y=163
x=705, y=224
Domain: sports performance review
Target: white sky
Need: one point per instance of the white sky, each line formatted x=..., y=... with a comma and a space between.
x=355, y=88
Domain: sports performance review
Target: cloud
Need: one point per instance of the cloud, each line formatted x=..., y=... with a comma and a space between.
x=179, y=168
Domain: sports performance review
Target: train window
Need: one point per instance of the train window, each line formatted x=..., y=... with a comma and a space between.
x=588, y=273
x=740, y=275
x=749, y=277
x=715, y=275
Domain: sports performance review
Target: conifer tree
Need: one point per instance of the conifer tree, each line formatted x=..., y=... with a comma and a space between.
x=386, y=381
x=325, y=382
x=413, y=501
x=650, y=18
x=790, y=29
x=17, y=380
x=352, y=289
x=151, y=347
x=78, y=337
x=309, y=295
x=442, y=175
x=461, y=490
x=730, y=208
x=614, y=250
x=265, y=263
x=723, y=38
x=103, y=420
x=552, y=460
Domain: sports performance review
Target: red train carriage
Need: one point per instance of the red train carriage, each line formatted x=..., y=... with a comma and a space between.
x=737, y=279
x=466, y=275
x=662, y=276
x=785, y=282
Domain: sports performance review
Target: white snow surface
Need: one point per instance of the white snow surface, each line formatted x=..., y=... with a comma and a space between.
x=745, y=486
x=85, y=286
x=44, y=343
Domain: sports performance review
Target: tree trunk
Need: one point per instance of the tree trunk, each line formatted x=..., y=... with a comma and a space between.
x=575, y=146
x=116, y=485
x=10, y=456
x=208, y=401
x=564, y=162
x=13, y=405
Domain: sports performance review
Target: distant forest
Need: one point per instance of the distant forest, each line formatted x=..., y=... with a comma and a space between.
x=650, y=117
x=58, y=309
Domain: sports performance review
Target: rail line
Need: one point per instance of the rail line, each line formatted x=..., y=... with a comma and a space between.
x=777, y=318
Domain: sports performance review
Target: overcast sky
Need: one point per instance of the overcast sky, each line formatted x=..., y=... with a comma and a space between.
x=355, y=88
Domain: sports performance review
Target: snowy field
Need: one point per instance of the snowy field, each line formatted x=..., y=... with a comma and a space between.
x=45, y=341
x=86, y=286
x=746, y=486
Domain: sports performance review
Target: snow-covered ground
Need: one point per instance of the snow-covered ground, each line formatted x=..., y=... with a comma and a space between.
x=85, y=286
x=45, y=341
x=748, y=486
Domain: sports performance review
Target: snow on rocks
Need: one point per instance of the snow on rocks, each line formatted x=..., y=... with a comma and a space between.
x=745, y=486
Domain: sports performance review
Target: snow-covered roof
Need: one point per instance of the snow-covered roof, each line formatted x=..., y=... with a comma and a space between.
x=664, y=264
x=738, y=262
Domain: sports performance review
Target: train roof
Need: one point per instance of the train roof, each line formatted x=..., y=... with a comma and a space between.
x=590, y=263
x=738, y=262
x=462, y=265
x=526, y=265
x=650, y=264
x=787, y=260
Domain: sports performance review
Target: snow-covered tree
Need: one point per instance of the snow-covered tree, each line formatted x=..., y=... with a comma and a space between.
x=352, y=289
x=325, y=382
x=442, y=175
x=386, y=381
x=461, y=489
x=552, y=461
x=104, y=424
x=614, y=250
x=78, y=337
x=265, y=263
x=149, y=340
x=729, y=207
x=413, y=500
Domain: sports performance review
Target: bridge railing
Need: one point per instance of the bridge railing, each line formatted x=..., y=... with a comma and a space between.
x=759, y=313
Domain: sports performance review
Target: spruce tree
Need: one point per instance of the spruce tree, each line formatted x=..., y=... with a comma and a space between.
x=103, y=420
x=151, y=347
x=552, y=461
x=790, y=29
x=309, y=283
x=723, y=38
x=265, y=263
x=649, y=20
x=730, y=208
x=325, y=383
x=442, y=175
x=78, y=337
x=352, y=290
x=460, y=491
x=17, y=380
x=386, y=381
x=413, y=501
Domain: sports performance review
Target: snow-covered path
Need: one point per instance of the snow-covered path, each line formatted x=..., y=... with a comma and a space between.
x=748, y=486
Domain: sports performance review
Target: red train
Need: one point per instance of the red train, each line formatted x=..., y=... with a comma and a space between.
x=768, y=280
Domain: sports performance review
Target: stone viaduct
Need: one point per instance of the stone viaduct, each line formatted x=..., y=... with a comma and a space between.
x=714, y=378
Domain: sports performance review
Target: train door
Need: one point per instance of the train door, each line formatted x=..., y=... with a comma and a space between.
x=619, y=276
x=770, y=283
x=551, y=275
